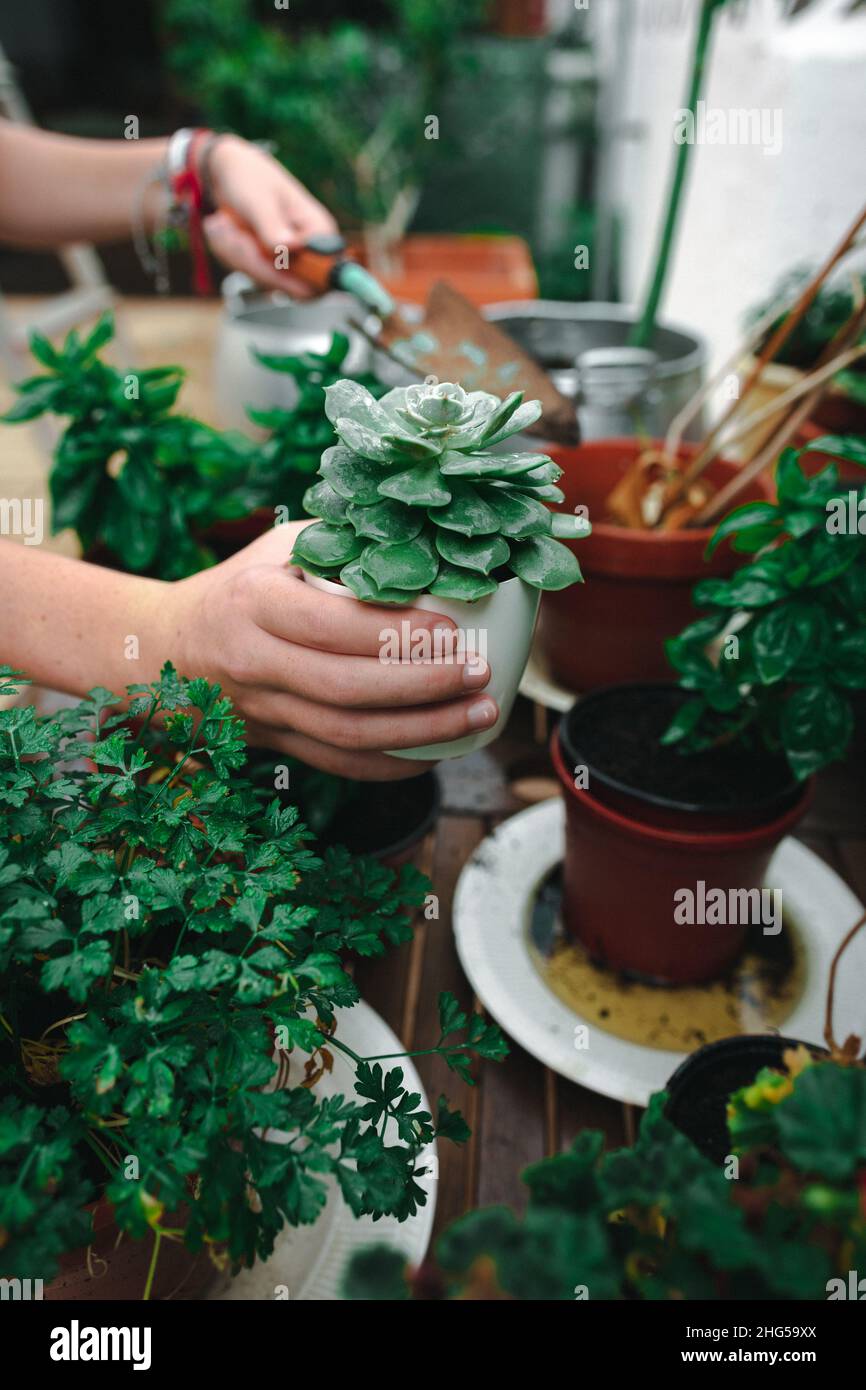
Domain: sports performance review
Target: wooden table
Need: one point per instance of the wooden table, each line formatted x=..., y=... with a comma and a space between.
x=520, y=1111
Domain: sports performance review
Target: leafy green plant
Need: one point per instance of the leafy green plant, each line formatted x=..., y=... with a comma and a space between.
x=797, y=612
x=414, y=499
x=130, y=476
x=299, y=437
x=660, y=1221
x=343, y=104
x=161, y=925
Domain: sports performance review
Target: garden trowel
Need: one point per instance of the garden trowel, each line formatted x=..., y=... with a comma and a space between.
x=454, y=343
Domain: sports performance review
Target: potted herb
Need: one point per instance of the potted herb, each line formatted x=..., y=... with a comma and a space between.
x=699, y=784
x=779, y=1216
x=125, y=452
x=419, y=508
x=161, y=929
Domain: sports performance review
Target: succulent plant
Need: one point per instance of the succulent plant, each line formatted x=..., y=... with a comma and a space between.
x=413, y=499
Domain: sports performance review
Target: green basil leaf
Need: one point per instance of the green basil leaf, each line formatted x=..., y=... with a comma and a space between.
x=780, y=637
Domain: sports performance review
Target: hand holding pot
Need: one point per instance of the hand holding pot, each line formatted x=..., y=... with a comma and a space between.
x=305, y=669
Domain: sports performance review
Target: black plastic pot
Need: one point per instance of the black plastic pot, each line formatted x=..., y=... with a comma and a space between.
x=387, y=819
x=699, y=1089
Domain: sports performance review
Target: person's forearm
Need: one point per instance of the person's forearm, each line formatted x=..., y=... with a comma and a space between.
x=58, y=188
x=72, y=626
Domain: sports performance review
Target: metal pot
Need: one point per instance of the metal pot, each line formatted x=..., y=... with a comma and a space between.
x=256, y=322
x=557, y=333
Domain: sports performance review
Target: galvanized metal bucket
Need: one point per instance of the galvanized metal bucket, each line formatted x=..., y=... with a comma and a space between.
x=271, y=323
x=556, y=333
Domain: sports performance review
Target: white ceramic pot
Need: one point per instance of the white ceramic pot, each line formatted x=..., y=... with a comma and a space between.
x=499, y=628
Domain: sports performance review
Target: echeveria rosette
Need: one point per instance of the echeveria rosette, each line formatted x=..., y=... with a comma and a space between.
x=414, y=499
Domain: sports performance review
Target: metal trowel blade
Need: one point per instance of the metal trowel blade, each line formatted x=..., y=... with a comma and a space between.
x=454, y=343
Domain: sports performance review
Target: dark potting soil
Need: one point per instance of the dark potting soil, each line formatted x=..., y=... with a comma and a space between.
x=616, y=734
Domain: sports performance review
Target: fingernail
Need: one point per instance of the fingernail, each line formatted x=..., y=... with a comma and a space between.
x=476, y=672
x=482, y=714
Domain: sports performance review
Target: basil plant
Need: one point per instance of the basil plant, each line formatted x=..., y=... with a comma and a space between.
x=414, y=499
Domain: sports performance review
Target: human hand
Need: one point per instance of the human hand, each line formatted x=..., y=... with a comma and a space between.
x=303, y=667
x=260, y=207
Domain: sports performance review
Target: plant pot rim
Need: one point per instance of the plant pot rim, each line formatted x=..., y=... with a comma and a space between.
x=710, y=1053
x=665, y=803
x=597, y=310
x=707, y=841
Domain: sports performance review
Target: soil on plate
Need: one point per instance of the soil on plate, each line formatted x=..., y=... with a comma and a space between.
x=758, y=992
x=618, y=738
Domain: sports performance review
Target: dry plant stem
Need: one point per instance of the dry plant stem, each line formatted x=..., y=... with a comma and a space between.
x=793, y=394
x=719, y=504
x=776, y=341
x=678, y=425
x=831, y=988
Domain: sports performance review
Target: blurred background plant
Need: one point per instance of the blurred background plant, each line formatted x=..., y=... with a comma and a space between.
x=345, y=107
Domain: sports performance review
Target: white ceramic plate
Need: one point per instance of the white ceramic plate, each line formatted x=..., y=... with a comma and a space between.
x=310, y=1261
x=492, y=908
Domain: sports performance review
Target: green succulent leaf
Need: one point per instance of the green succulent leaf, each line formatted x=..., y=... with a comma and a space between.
x=409, y=565
x=355, y=478
x=326, y=545
x=386, y=521
x=469, y=512
x=321, y=500
x=421, y=486
x=520, y=515
x=457, y=465
x=466, y=585
x=481, y=553
x=545, y=563
x=363, y=587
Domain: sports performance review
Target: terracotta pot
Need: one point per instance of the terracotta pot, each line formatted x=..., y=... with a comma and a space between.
x=114, y=1267
x=484, y=269
x=622, y=872
x=638, y=589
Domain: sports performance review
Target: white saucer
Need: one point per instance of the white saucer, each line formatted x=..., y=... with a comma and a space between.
x=309, y=1262
x=492, y=908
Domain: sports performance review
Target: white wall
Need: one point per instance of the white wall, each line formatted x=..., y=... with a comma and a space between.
x=748, y=216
